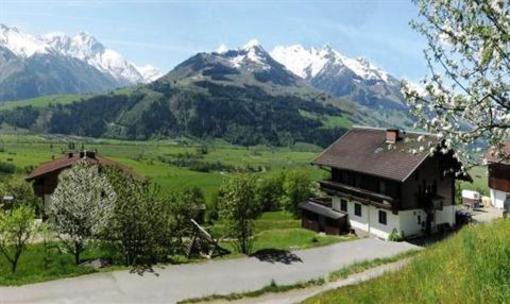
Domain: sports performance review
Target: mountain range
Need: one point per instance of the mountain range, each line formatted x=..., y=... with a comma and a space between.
x=245, y=95
x=32, y=66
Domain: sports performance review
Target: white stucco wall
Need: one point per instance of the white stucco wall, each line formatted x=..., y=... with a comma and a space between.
x=383, y=230
x=498, y=198
x=411, y=222
x=358, y=222
x=406, y=222
x=336, y=203
x=369, y=220
x=447, y=215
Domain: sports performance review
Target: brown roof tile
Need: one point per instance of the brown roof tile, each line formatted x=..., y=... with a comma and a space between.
x=68, y=161
x=365, y=150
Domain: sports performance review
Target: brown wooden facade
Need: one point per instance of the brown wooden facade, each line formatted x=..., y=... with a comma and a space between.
x=499, y=177
x=319, y=223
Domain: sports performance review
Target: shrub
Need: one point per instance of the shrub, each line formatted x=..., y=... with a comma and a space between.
x=395, y=236
x=238, y=208
x=16, y=228
x=141, y=226
x=7, y=168
x=296, y=189
x=269, y=192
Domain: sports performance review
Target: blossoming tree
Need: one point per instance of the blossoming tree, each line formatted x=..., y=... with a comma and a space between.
x=467, y=95
x=81, y=206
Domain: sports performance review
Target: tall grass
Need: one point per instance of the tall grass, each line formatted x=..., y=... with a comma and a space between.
x=470, y=267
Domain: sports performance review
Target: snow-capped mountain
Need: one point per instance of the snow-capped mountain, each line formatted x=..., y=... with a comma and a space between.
x=329, y=70
x=307, y=63
x=250, y=64
x=251, y=55
x=83, y=47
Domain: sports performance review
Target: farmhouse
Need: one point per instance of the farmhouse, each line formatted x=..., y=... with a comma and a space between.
x=45, y=177
x=499, y=176
x=378, y=185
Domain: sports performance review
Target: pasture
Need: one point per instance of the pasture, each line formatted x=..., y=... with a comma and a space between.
x=149, y=158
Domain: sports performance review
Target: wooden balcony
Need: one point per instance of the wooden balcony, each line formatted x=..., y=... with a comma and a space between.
x=358, y=194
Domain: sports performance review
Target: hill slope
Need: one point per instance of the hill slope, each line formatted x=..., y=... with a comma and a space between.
x=242, y=95
x=471, y=267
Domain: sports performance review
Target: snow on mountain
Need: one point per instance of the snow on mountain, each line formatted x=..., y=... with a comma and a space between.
x=21, y=44
x=308, y=62
x=83, y=47
x=149, y=73
x=249, y=55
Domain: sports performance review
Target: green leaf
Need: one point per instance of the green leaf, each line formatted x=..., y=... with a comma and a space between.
x=487, y=54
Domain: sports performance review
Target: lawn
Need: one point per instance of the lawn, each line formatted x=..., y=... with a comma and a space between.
x=280, y=230
x=472, y=266
x=43, y=263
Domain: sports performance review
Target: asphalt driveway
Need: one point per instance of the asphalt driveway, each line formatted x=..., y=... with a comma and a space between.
x=174, y=283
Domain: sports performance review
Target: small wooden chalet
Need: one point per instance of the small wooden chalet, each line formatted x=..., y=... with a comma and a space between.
x=499, y=176
x=384, y=181
x=44, y=178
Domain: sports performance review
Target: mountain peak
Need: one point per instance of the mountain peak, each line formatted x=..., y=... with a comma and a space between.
x=308, y=62
x=20, y=43
x=253, y=43
x=83, y=46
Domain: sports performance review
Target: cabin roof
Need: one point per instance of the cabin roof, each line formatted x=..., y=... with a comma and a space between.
x=71, y=159
x=322, y=210
x=365, y=150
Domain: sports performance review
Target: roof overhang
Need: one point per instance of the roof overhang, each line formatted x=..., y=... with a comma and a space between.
x=321, y=210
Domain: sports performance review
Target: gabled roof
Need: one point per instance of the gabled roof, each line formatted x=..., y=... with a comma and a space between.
x=68, y=161
x=365, y=150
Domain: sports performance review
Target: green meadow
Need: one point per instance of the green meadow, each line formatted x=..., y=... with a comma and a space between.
x=147, y=157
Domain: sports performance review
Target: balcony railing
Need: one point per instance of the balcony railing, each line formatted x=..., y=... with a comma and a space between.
x=362, y=195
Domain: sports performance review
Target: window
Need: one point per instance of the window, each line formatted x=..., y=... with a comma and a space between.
x=357, y=209
x=382, y=217
x=343, y=205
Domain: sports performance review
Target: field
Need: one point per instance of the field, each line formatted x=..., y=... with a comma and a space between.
x=472, y=266
x=147, y=157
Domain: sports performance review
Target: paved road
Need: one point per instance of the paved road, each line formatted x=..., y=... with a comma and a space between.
x=174, y=283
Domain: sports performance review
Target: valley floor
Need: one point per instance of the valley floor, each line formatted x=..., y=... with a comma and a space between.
x=175, y=283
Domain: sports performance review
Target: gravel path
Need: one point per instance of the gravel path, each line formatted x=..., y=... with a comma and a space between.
x=173, y=283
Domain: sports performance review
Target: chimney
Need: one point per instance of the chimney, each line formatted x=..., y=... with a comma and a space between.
x=392, y=136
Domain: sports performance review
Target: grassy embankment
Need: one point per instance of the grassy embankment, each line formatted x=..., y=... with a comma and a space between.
x=471, y=267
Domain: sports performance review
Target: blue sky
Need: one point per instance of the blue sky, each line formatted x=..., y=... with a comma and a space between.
x=164, y=33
